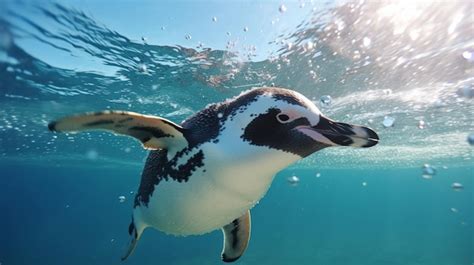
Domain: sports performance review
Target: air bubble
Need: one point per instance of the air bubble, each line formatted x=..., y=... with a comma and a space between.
x=439, y=103
x=454, y=210
x=293, y=180
x=466, y=91
x=428, y=171
x=468, y=55
x=188, y=37
x=6, y=39
x=220, y=115
x=325, y=101
x=421, y=124
x=92, y=154
x=282, y=8
x=214, y=19
x=309, y=45
x=142, y=68
x=121, y=199
x=246, y=29
x=318, y=175
x=457, y=186
x=470, y=138
x=387, y=91
x=364, y=183
x=366, y=41
x=388, y=121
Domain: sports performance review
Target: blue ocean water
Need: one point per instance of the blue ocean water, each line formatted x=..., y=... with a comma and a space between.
x=410, y=61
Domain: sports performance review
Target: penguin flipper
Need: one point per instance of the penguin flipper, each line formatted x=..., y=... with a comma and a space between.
x=153, y=132
x=236, y=238
x=135, y=234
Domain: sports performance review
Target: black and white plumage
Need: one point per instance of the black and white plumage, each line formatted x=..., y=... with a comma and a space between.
x=208, y=172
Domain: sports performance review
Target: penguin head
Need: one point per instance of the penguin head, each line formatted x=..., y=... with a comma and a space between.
x=285, y=120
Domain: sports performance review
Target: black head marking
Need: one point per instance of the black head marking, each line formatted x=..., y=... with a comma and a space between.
x=266, y=130
x=206, y=124
x=287, y=95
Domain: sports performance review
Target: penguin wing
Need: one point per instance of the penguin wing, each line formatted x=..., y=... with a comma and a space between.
x=153, y=132
x=236, y=238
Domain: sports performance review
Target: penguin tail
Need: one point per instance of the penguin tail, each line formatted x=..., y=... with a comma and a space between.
x=135, y=230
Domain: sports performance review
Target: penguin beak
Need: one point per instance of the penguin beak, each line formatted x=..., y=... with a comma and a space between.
x=333, y=133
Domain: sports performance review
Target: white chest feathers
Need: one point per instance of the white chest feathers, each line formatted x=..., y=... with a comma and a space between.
x=229, y=184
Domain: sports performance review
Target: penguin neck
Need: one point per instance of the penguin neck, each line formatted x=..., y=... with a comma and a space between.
x=245, y=170
x=250, y=176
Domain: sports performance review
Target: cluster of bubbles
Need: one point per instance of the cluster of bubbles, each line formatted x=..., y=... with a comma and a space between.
x=294, y=180
x=429, y=171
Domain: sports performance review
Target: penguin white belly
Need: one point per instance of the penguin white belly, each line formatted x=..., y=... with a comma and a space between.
x=208, y=200
x=198, y=208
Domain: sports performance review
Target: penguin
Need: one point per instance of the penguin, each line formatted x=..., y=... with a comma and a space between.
x=209, y=171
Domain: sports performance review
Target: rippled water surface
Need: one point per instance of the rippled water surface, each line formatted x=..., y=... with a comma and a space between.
x=404, y=68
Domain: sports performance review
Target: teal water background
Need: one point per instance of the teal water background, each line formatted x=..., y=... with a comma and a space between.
x=59, y=193
x=72, y=215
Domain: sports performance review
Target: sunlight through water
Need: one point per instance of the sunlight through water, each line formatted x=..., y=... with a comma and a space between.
x=407, y=60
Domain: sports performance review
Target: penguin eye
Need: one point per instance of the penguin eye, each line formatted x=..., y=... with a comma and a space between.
x=283, y=118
